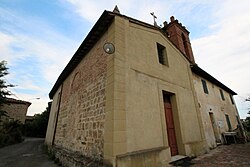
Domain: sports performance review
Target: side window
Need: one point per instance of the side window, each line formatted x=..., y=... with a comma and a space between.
x=162, y=54
x=238, y=119
x=58, y=99
x=232, y=100
x=222, y=95
x=204, y=85
x=185, y=45
x=75, y=82
x=228, y=122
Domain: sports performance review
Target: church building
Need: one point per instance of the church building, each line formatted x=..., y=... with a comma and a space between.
x=132, y=95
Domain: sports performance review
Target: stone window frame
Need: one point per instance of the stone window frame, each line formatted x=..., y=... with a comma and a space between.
x=75, y=83
x=231, y=98
x=162, y=54
x=222, y=95
x=229, y=125
x=204, y=85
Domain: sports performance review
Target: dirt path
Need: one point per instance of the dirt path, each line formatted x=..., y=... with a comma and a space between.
x=29, y=153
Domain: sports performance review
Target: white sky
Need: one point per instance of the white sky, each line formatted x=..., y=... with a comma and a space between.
x=38, y=38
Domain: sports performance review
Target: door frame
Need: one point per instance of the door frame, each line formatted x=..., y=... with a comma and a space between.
x=177, y=125
x=214, y=126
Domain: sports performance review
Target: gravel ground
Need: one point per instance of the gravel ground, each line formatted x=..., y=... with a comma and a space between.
x=234, y=155
x=29, y=153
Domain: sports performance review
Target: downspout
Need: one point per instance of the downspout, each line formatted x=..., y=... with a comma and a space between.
x=57, y=114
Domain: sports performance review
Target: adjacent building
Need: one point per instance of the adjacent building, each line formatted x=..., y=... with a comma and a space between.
x=217, y=107
x=16, y=109
x=132, y=95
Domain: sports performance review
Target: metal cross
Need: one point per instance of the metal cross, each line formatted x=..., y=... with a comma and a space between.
x=154, y=17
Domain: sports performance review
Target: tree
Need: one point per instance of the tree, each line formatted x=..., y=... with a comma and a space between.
x=246, y=122
x=3, y=87
x=11, y=133
x=38, y=126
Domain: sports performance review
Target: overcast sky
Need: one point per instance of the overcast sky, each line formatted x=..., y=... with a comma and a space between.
x=38, y=38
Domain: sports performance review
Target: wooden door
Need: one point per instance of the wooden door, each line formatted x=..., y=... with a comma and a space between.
x=170, y=125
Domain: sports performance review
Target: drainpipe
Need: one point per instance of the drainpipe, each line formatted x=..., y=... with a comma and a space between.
x=57, y=114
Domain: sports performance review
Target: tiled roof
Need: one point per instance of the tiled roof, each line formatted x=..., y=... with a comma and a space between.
x=95, y=34
x=197, y=70
x=11, y=100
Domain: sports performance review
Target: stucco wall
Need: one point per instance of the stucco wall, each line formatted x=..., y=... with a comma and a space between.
x=80, y=124
x=112, y=105
x=143, y=79
x=53, y=117
x=212, y=103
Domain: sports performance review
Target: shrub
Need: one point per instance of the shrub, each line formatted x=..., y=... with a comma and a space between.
x=11, y=133
x=38, y=126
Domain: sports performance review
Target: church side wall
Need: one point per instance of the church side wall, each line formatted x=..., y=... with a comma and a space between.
x=80, y=126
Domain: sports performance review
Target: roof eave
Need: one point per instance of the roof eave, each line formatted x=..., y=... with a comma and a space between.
x=197, y=70
x=94, y=35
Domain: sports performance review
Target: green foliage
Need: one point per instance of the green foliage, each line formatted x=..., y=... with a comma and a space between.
x=11, y=133
x=51, y=153
x=3, y=87
x=246, y=123
x=38, y=126
x=3, y=113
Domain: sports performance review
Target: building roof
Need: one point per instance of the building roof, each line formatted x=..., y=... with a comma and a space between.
x=11, y=100
x=197, y=70
x=95, y=34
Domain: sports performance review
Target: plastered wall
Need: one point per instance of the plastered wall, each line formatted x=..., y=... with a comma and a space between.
x=212, y=103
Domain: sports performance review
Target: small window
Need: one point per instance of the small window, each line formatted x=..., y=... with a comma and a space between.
x=238, y=119
x=162, y=54
x=228, y=122
x=232, y=100
x=222, y=95
x=58, y=99
x=184, y=41
x=204, y=84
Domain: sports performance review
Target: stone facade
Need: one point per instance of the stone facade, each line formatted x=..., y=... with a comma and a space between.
x=81, y=108
x=111, y=108
x=16, y=109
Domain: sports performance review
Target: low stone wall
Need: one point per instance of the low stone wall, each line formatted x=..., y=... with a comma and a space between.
x=149, y=157
x=75, y=159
